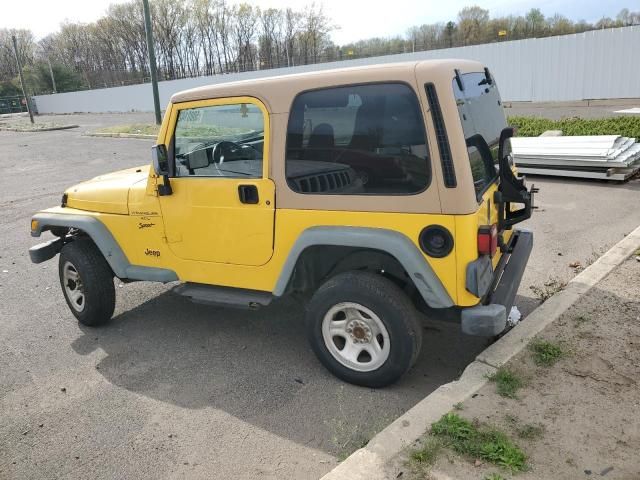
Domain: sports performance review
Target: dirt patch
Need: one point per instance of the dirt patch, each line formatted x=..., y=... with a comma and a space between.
x=579, y=416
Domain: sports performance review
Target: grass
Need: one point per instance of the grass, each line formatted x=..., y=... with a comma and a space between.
x=458, y=406
x=479, y=442
x=546, y=353
x=628, y=126
x=494, y=476
x=137, y=128
x=427, y=454
x=548, y=289
x=507, y=382
x=530, y=431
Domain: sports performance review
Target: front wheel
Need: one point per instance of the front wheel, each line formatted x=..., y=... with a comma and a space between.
x=87, y=282
x=364, y=329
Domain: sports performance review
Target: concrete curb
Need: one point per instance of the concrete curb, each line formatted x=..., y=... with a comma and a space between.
x=32, y=130
x=121, y=135
x=368, y=463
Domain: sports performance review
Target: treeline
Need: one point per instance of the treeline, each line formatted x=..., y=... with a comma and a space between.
x=210, y=37
x=474, y=26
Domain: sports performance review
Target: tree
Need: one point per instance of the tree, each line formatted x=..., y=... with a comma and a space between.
x=472, y=24
x=535, y=21
x=450, y=29
x=560, y=25
x=314, y=37
x=626, y=18
x=246, y=19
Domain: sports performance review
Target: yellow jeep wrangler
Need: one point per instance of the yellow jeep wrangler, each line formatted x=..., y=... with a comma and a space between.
x=373, y=193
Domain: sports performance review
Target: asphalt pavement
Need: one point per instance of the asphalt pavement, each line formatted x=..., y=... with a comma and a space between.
x=170, y=389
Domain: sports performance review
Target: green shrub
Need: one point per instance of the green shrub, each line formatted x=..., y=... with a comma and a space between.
x=627, y=126
x=486, y=443
x=507, y=382
x=546, y=353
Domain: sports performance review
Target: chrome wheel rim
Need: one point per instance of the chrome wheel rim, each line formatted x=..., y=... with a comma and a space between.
x=73, y=287
x=356, y=337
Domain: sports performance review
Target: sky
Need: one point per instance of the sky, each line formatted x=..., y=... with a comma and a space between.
x=354, y=19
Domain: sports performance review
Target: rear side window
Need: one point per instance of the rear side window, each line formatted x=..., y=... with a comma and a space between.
x=482, y=117
x=359, y=139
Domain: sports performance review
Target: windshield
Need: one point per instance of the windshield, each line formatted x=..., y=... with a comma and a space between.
x=482, y=118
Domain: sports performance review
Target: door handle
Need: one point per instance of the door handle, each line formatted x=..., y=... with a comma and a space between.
x=248, y=194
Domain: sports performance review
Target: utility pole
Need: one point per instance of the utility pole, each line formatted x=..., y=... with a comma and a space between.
x=152, y=61
x=24, y=89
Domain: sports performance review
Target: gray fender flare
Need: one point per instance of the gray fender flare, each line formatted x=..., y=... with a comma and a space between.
x=394, y=243
x=105, y=242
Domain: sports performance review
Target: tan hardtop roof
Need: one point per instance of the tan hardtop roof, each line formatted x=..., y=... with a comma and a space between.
x=277, y=92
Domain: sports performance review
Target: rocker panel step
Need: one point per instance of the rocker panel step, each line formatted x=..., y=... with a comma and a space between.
x=223, y=296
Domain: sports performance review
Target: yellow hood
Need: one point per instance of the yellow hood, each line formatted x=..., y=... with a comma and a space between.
x=106, y=193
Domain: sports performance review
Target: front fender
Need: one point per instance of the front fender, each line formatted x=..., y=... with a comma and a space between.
x=105, y=242
x=394, y=243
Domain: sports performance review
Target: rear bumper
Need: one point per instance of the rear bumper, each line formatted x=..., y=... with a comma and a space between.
x=490, y=317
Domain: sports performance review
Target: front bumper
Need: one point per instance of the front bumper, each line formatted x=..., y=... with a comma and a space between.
x=490, y=318
x=44, y=251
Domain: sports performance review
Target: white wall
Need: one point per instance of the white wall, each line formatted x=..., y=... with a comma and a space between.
x=600, y=64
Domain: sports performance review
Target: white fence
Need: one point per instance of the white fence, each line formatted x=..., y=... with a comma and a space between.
x=601, y=64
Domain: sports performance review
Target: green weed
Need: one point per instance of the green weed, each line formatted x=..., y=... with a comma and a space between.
x=427, y=453
x=546, y=353
x=494, y=476
x=507, y=382
x=486, y=443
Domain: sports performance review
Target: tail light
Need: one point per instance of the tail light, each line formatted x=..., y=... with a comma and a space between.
x=488, y=240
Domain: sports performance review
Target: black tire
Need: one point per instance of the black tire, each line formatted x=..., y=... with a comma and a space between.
x=392, y=307
x=96, y=282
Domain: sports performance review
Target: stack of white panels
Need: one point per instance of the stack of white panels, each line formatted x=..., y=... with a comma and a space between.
x=610, y=157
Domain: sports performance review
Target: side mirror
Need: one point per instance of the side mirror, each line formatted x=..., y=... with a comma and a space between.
x=161, y=167
x=160, y=159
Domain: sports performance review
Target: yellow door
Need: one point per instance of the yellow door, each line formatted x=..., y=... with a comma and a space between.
x=221, y=208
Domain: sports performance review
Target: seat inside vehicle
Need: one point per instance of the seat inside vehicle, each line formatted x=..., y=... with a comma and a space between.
x=376, y=130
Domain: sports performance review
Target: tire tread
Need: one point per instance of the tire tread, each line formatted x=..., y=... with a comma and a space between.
x=97, y=278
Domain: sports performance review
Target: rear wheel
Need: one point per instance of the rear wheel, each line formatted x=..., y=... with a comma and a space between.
x=87, y=282
x=364, y=329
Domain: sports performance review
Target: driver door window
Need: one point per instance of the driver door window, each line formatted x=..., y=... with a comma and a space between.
x=220, y=141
